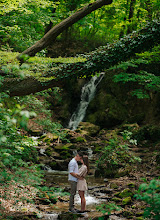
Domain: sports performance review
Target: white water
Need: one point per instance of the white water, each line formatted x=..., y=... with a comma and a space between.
x=88, y=91
x=89, y=199
x=53, y=216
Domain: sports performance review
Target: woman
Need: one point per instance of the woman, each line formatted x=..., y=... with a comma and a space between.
x=82, y=185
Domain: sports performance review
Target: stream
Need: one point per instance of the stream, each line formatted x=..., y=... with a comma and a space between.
x=60, y=179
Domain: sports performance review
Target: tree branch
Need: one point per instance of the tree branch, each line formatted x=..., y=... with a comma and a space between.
x=96, y=61
x=51, y=35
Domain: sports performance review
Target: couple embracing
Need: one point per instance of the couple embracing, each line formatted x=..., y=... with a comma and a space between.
x=77, y=181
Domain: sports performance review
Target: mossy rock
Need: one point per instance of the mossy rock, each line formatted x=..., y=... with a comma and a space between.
x=116, y=199
x=101, y=172
x=125, y=193
x=131, y=185
x=127, y=201
x=117, y=194
x=140, y=218
x=79, y=139
x=121, y=173
x=127, y=214
x=68, y=216
x=49, y=137
x=88, y=129
x=68, y=146
x=113, y=186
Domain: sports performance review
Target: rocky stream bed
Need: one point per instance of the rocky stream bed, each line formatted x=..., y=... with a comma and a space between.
x=118, y=188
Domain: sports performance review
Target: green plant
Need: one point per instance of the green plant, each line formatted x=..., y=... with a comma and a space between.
x=108, y=208
x=116, y=154
x=150, y=193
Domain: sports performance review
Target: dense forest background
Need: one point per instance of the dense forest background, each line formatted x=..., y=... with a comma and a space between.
x=40, y=91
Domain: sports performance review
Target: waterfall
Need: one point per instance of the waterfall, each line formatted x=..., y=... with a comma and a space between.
x=87, y=94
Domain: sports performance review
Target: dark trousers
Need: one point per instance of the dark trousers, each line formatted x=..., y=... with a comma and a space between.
x=73, y=185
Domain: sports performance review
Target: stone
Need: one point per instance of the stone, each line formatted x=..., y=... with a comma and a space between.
x=131, y=185
x=113, y=186
x=49, y=137
x=116, y=199
x=127, y=201
x=68, y=216
x=87, y=128
x=127, y=214
x=125, y=193
x=79, y=139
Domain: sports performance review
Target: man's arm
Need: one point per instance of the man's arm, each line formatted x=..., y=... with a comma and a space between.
x=76, y=175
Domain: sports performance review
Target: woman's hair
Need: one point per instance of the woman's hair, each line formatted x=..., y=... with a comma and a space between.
x=86, y=162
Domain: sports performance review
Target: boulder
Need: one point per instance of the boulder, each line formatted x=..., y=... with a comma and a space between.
x=127, y=201
x=125, y=193
x=88, y=129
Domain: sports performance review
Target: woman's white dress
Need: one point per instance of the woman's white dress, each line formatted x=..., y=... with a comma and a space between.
x=81, y=184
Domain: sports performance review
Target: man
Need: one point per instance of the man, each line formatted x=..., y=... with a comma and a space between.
x=73, y=178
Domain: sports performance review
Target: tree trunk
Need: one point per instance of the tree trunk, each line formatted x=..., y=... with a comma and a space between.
x=131, y=13
x=97, y=61
x=51, y=35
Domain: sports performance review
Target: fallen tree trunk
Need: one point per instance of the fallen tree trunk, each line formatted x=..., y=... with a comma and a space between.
x=96, y=61
x=51, y=35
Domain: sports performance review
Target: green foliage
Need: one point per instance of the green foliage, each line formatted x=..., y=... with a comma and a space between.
x=116, y=153
x=16, y=151
x=23, y=22
x=150, y=194
x=108, y=208
x=44, y=117
x=147, y=82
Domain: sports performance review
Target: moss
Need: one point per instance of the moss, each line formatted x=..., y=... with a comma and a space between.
x=117, y=200
x=131, y=185
x=127, y=201
x=127, y=214
x=126, y=193
x=49, y=151
x=79, y=139
x=113, y=186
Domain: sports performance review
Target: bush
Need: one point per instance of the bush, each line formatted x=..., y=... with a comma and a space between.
x=150, y=193
x=116, y=154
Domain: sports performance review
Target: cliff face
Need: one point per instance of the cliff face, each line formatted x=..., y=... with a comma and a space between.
x=112, y=105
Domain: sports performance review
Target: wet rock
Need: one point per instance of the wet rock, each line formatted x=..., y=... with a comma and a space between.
x=127, y=201
x=106, y=180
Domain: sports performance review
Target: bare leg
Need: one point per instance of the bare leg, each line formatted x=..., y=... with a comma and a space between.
x=83, y=200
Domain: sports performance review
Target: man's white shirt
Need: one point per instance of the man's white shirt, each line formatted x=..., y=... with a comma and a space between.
x=72, y=168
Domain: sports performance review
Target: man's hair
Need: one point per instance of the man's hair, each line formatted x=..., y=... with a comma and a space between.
x=80, y=153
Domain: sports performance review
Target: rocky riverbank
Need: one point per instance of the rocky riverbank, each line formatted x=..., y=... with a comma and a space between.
x=115, y=187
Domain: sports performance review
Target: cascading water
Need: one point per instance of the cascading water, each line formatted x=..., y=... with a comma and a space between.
x=88, y=91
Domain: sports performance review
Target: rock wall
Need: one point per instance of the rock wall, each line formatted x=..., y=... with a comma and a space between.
x=112, y=105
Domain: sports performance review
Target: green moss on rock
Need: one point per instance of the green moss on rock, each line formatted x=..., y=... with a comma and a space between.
x=125, y=193
x=127, y=201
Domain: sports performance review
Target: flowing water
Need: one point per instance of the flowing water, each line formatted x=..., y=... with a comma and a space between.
x=60, y=179
x=87, y=94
